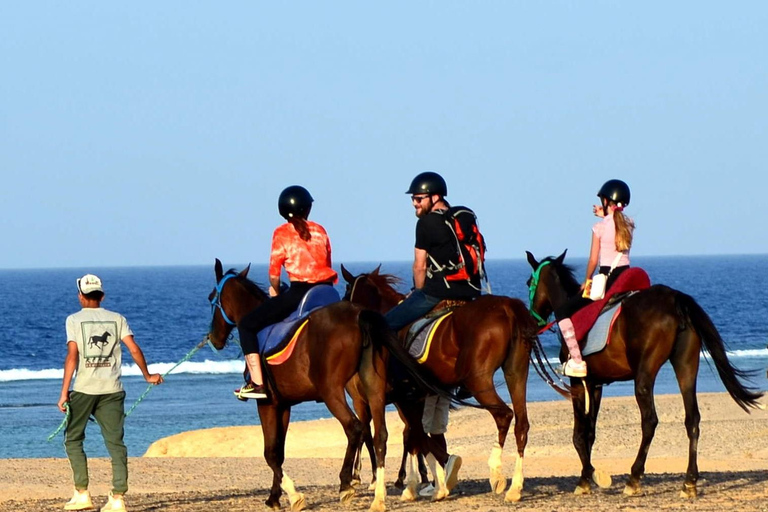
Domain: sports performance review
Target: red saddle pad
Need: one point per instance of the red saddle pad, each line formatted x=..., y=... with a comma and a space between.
x=632, y=279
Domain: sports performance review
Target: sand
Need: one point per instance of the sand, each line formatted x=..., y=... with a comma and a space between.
x=222, y=468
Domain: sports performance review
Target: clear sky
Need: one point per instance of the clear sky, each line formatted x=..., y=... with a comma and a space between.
x=161, y=133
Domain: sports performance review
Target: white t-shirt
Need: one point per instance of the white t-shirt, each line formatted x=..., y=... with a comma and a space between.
x=98, y=334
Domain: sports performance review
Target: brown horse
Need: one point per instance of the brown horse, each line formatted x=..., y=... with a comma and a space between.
x=655, y=325
x=339, y=342
x=489, y=333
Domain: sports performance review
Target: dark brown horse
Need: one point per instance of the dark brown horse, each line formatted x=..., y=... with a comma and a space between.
x=339, y=342
x=655, y=325
x=489, y=333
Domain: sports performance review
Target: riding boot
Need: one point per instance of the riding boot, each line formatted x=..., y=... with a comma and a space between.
x=575, y=366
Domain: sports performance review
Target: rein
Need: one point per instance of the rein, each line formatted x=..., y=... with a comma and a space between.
x=542, y=322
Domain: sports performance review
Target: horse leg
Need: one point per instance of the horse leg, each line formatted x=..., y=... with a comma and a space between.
x=274, y=440
x=484, y=391
x=583, y=434
x=413, y=443
x=353, y=429
x=600, y=477
x=685, y=361
x=516, y=376
x=296, y=499
x=644, y=382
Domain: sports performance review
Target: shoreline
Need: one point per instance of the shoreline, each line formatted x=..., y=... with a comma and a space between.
x=225, y=464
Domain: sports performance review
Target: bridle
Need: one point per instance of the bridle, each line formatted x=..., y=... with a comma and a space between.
x=542, y=322
x=216, y=300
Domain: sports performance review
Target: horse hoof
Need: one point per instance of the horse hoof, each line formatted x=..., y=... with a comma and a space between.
x=513, y=496
x=688, y=491
x=631, y=490
x=345, y=497
x=408, y=494
x=378, y=506
x=441, y=495
x=273, y=504
x=602, y=479
x=372, y=486
x=298, y=502
x=355, y=482
x=399, y=484
x=582, y=490
x=498, y=483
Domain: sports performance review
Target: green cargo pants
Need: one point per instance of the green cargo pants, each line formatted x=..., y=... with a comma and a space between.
x=110, y=415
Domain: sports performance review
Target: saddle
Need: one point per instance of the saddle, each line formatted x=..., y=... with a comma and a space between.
x=631, y=280
x=419, y=336
x=276, y=338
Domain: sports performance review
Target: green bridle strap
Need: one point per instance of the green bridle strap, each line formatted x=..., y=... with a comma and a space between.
x=532, y=292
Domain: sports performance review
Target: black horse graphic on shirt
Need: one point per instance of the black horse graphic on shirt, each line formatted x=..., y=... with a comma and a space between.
x=99, y=342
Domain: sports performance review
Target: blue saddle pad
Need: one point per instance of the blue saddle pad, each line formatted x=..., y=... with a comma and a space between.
x=597, y=336
x=270, y=338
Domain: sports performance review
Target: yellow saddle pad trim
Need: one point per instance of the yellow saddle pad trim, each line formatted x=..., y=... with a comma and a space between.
x=432, y=331
x=283, y=355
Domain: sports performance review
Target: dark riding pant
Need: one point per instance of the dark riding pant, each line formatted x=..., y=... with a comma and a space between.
x=270, y=312
x=415, y=306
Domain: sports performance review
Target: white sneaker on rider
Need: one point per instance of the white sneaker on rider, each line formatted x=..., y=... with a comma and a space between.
x=427, y=491
x=573, y=369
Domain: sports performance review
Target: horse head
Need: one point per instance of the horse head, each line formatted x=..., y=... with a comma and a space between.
x=373, y=290
x=550, y=284
x=232, y=297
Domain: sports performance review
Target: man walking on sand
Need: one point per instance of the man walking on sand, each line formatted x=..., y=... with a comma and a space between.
x=94, y=342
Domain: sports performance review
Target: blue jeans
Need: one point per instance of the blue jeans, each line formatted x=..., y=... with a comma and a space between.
x=415, y=306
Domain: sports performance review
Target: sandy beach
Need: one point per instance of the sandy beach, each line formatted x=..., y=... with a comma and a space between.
x=222, y=469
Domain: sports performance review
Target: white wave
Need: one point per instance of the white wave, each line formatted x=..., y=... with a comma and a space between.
x=202, y=367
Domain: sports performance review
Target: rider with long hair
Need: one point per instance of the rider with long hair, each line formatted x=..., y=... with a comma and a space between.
x=611, y=242
x=304, y=249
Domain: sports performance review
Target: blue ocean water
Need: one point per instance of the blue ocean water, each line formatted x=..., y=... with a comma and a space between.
x=168, y=311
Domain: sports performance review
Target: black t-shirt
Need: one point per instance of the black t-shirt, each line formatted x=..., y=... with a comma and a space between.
x=434, y=236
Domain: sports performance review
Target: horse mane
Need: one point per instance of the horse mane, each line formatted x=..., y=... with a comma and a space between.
x=566, y=275
x=249, y=285
x=386, y=284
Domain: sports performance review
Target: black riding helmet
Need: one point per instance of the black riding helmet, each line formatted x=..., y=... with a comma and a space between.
x=428, y=183
x=294, y=201
x=616, y=191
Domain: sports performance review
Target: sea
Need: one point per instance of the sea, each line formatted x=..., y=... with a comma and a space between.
x=168, y=311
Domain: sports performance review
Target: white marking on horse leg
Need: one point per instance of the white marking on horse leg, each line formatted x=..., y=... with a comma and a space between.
x=411, y=480
x=515, y=491
x=438, y=475
x=379, y=496
x=296, y=499
x=497, y=479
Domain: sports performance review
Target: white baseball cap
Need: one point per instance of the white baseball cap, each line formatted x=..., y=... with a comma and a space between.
x=89, y=283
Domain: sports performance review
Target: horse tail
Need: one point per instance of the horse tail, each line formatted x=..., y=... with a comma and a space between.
x=377, y=332
x=698, y=319
x=525, y=328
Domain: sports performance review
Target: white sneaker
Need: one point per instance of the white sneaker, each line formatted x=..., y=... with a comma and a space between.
x=81, y=500
x=427, y=491
x=115, y=504
x=452, y=472
x=574, y=369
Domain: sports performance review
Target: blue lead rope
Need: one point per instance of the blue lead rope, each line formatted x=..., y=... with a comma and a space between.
x=143, y=395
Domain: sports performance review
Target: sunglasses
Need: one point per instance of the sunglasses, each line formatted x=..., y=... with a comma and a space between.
x=418, y=199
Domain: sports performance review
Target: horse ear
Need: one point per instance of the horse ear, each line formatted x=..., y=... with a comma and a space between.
x=560, y=258
x=244, y=272
x=376, y=270
x=531, y=260
x=219, y=271
x=347, y=276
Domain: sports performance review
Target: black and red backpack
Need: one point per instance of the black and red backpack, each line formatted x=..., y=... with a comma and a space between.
x=470, y=246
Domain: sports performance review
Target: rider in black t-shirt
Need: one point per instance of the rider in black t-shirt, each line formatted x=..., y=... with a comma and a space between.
x=435, y=248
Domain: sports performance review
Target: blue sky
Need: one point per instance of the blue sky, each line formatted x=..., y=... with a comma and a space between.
x=161, y=133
